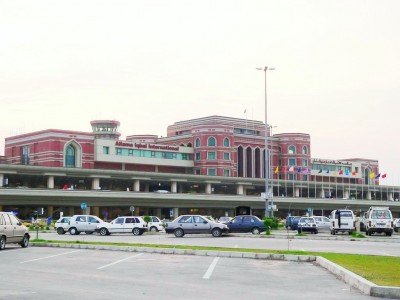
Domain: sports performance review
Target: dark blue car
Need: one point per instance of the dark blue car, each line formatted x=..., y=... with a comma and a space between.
x=246, y=224
x=291, y=222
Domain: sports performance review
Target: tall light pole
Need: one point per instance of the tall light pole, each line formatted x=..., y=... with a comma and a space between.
x=268, y=197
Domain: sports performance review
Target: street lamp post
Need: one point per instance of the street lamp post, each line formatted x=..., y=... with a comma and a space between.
x=268, y=197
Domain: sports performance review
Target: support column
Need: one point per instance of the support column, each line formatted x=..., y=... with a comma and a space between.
x=136, y=185
x=50, y=211
x=346, y=194
x=174, y=186
x=50, y=182
x=1, y=207
x=157, y=212
x=297, y=192
x=390, y=196
x=95, y=183
x=1, y=179
x=322, y=193
x=368, y=195
x=71, y=211
x=208, y=188
x=239, y=189
x=95, y=211
x=146, y=188
x=176, y=213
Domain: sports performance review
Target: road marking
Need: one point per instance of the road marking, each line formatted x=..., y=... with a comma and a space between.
x=118, y=261
x=22, y=262
x=207, y=275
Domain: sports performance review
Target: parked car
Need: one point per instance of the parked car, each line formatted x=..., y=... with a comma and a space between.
x=155, y=224
x=136, y=225
x=62, y=225
x=396, y=225
x=379, y=220
x=187, y=224
x=323, y=222
x=342, y=220
x=307, y=224
x=246, y=223
x=294, y=222
x=12, y=231
x=289, y=220
x=224, y=220
x=83, y=223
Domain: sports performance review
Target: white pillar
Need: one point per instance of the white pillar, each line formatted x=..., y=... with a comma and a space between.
x=146, y=188
x=297, y=192
x=95, y=183
x=50, y=182
x=176, y=212
x=369, y=195
x=174, y=186
x=390, y=196
x=322, y=193
x=346, y=194
x=239, y=189
x=136, y=185
x=208, y=188
x=1, y=179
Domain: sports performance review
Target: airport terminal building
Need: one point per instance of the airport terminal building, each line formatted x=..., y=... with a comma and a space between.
x=210, y=155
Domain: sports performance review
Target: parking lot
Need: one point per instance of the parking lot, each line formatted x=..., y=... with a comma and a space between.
x=57, y=273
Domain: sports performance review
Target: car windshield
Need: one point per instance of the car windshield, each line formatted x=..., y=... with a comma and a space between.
x=346, y=214
x=307, y=220
x=381, y=214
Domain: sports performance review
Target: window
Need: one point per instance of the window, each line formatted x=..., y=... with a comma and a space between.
x=119, y=221
x=226, y=142
x=197, y=155
x=211, y=142
x=118, y=151
x=130, y=152
x=70, y=157
x=106, y=150
x=198, y=143
x=211, y=155
x=227, y=156
x=305, y=150
x=186, y=219
x=227, y=172
x=292, y=161
x=211, y=172
x=25, y=150
x=305, y=162
x=292, y=149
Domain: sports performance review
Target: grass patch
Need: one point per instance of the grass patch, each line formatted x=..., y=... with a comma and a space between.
x=381, y=270
x=357, y=235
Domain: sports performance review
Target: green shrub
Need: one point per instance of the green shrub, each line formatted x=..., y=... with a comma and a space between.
x=271, y=223
x=147, y=219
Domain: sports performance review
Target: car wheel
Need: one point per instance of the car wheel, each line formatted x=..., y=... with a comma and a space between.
x=2, y=242
x=60, y=230
x=153, y=229
x=333, y=232
x=316, y=232
x=25, y=241
x=216, y=232
x=73, y=231
x=136, y=231
x=179, y=232
x=103, y=231
x=255, y=230
x=396, y=229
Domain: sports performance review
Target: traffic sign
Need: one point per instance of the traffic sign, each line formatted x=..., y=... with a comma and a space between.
x=83, y=205
x=132, y=208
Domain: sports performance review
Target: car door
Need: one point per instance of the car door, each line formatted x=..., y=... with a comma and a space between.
x=116, y=226
x=186, y=223
x=92, y=223
x=18, y=228
x=236, y=225
x=6, y=228
x=200, y=225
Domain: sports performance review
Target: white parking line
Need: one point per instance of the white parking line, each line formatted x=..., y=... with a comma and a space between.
x=118, y=261
x=22, y=262
x=207, y=275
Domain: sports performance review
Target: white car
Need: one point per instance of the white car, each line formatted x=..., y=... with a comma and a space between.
x=62, y=225
x=83, y=223
x=155, y=224
x=396, y=225
x=323, y=222
x=135, y=225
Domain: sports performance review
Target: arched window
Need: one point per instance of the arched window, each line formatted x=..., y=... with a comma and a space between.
x=70, y=157
x=279, y=149
x=211, y=142
x=292, y=149
x=189, y=144
x=198, y=143
x=226, y=142
x=305, y=150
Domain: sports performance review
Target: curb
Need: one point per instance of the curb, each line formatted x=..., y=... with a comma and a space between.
x=341, y=273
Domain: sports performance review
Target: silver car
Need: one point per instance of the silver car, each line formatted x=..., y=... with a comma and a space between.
x=12, y=231
x=188, y=224
x=62, y=225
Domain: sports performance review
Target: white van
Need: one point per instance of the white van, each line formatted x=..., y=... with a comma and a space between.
x=379, y=219
x=342, y=220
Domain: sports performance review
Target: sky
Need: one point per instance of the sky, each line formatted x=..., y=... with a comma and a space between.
x=151, y=63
